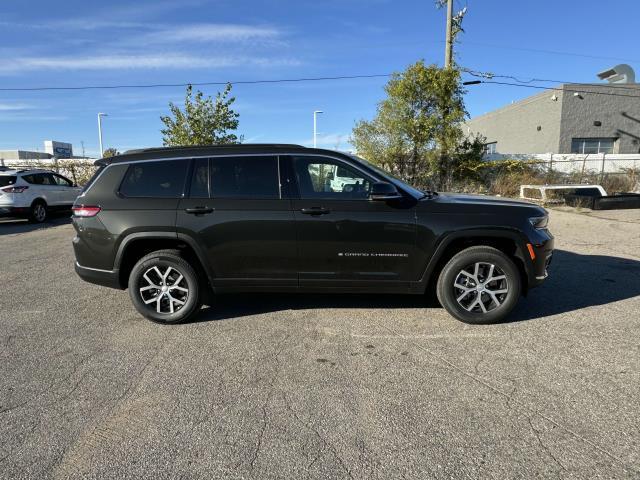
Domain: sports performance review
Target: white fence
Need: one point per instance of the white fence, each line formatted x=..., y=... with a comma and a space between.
x=595, y=163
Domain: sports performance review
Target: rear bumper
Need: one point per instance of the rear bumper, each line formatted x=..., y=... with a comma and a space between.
x=106, y=278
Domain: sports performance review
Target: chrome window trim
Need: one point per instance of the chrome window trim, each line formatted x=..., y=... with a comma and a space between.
x=276, y=154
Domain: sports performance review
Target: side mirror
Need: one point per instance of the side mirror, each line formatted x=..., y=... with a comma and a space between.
x=383, y=191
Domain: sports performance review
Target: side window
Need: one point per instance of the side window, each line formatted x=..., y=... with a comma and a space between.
x=161, y=179
x=245, y=177
x=327, y=178
x=200, y=178
x=40, y=179
x=63, y=182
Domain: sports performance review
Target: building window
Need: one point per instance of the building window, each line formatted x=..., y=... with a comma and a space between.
x=490, y=148
x=592, y=145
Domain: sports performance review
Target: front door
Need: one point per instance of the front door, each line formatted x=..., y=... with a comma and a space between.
x=66, y=191
x=344, y=238
x=235, y=210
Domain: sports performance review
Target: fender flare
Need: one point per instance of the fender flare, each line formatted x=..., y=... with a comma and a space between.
x=447, y=239
x=160, y=235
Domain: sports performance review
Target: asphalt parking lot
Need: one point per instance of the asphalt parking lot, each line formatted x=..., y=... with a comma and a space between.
x=280, y=386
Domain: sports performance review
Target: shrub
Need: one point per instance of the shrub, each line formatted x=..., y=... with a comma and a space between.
x=78, y=170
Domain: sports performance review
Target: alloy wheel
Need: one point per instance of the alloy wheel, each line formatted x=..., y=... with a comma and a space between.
x=166, y=291
x=39, y=212
x=481, y=287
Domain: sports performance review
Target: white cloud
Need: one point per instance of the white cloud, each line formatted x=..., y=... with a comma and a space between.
x=211, y=33
x=10, y=107
x=140, y=61
x=33, y=118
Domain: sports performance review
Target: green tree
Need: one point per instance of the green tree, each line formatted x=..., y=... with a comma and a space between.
x=417, y=131
x=110, y=152
x=204, y=121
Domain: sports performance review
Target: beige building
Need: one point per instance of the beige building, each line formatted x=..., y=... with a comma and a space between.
x=575, y=118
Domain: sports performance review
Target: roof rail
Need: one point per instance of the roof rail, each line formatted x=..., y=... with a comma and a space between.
x=203, y=147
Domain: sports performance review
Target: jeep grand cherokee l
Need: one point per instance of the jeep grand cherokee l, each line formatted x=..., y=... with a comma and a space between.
x=178, y=225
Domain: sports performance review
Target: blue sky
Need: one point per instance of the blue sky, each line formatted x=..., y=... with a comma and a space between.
x=124, y=42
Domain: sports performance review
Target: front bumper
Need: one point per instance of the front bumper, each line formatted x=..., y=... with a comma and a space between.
x=106, y=278
x=543, y=252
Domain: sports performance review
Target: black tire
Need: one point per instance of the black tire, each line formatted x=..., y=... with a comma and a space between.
x=38, y=212
x=497, y=305
x=172, y=265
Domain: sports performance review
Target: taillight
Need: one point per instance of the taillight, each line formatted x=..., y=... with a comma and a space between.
x=85, y=211
x=14, y=189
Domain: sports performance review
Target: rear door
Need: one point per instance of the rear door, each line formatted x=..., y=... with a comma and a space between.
x=45, y=187
x=242, y=222
x=345, y=239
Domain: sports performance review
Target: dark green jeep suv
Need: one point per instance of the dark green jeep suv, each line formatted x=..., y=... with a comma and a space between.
x=178, y=225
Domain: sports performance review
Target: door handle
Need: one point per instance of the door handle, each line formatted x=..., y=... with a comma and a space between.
x=315, y=211
x=199, y=210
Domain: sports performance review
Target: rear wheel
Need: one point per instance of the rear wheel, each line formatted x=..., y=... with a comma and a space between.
x=38, y=212
x=479, y=285
x=164, y=287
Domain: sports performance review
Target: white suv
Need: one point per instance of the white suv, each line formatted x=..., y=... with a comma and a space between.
x=35, y=193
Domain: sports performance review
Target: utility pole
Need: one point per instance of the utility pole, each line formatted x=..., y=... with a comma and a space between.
x=315, y=127
x=448, y=52
x=100, y=115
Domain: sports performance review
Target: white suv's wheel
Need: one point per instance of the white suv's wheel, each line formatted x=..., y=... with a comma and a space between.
x=38, y=212
x=164, y=287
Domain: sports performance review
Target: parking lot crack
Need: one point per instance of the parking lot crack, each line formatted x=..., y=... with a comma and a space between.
x=544, y=446
x=53, y=385
x=514, y=402
x=325, y=443
x=265, y=404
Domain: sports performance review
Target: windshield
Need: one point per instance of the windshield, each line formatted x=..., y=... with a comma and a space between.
x=392, y=178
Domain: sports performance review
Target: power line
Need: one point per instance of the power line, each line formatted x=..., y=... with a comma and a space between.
x=539, y=87
x=489, y=76
x=486, y=75
x=195, y=84
x=551, y=52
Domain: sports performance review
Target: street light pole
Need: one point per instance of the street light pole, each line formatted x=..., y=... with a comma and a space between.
x=100, y=115
x=315, y=127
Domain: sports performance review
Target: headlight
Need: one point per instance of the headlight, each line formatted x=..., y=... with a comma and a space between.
x=539, y=222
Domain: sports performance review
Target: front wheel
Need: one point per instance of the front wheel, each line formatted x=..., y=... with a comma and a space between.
x=479, y=285
x=164, y=287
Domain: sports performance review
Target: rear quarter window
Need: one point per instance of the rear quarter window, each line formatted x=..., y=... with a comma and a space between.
x=7, y=180
x=161, y=179
x=93, y=178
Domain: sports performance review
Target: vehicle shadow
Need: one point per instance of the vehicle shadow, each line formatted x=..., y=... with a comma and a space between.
x=579, y=281
x=575, y=282
x=229, y=306
x=12, y=226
